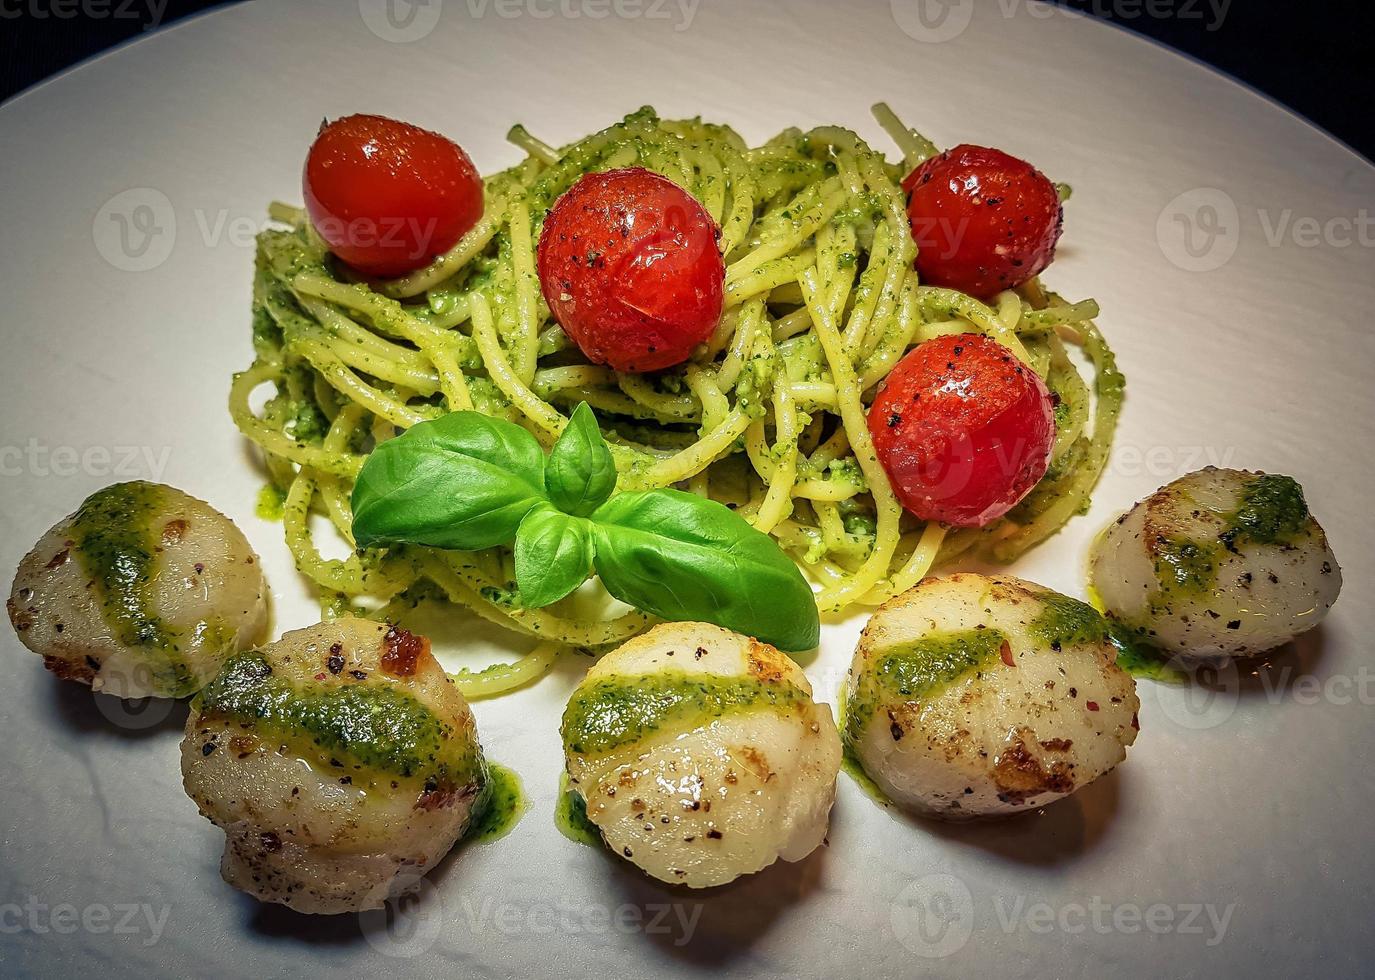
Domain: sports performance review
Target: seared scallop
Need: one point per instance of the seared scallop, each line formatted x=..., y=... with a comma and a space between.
x=145, y=590
x=1218, y=564
x=973, y=696
x=701, y=755
x=341, y=763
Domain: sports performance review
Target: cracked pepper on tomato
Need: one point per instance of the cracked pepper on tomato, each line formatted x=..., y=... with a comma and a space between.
x=963, y=429
x=983, y=221
x=629, y=265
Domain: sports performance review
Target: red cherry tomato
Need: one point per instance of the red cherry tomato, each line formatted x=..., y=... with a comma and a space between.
x=629, y=266
x=963, y=429
x=983, y=221
x=388, y=196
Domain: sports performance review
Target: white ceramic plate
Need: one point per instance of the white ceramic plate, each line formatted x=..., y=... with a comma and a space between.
x=1234, y=841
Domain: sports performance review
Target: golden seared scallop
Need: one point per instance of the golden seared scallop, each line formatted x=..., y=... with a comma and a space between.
x=341, y=763
x=1218, y=564
x=974, y=696
x=145, y=590
x=701, y=755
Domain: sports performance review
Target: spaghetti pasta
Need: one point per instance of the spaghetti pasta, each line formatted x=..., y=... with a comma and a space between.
x=821, y=300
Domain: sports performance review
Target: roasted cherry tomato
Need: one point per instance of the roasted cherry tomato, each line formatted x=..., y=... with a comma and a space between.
x=983, y=221
x=388, y=196
x=963, y=429
x=629, y=265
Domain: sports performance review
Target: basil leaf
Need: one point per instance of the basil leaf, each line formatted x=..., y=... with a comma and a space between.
x=553, y=556
x=580, y=474
x=464, y=481
x=683, y=557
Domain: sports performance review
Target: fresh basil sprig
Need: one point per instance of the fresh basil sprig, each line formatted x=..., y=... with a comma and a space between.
x=684, y=557
x=554, y=555
x=464, y=482
x=467, y=481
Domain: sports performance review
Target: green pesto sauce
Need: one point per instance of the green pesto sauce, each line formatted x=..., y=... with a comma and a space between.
x=915, y=670
x=377, y=725
x=1065, y=620
x=117, y=545
x=1140, y=659
x=570, y=816
x=1186, y=567
x=271, y=503
x=502, y=805
x=267, y=336
x=850, y=764
x=1134, y=655
x=610, y=713
x=852, y=767
x=1272, y=511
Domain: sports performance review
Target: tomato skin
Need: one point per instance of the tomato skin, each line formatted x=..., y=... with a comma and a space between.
x=386, y=196
x=963, y=429
x=983, y=221
x=629, y=265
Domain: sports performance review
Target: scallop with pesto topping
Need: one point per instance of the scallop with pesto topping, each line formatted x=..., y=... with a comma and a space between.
x=341, y=763
x=1218, y=564
x=145, y=590
x=701, y=755
x=975, y=696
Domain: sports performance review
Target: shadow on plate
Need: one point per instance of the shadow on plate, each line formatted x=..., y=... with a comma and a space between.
x=279, y=922
x=409, y=924
x=1052, y=835
x=78, y=707
x=718, y=926
x=1270, y=675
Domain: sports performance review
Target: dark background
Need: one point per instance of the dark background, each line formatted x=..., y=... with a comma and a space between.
x=1315, y=57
